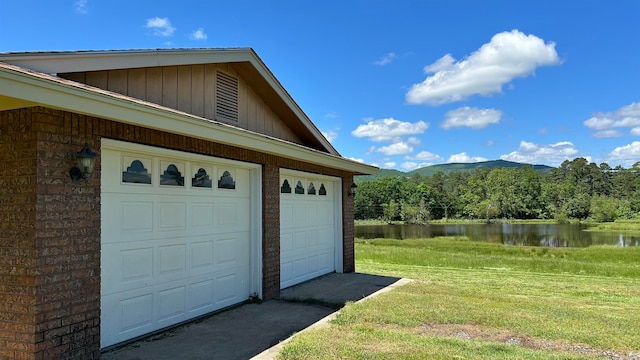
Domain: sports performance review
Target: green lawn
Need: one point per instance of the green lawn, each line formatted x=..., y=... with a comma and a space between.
x=475, y=300
x=618, y=226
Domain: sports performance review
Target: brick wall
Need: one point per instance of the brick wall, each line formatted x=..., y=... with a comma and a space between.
x=50, y=227
x=348, y=250
x=270, y=231
x=17, y=235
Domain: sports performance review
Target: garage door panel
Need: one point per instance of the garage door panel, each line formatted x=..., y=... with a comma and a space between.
x=201, y=216
x=172, y=252
x=202, y=254
x=171, y=304
x=312, y=239
x=171, y=259
x=201, y=297
x=172, y=216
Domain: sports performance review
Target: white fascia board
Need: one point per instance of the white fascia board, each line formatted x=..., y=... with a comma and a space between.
x=50, y=93
x=80, y=61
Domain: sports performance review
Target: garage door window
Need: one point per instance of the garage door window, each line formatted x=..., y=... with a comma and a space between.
x=285, y=188
x=136, y=173
x=201, y=179
x=226, y=181
x=172, y=176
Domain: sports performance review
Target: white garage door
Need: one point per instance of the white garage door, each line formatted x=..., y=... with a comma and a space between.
x=310, y=226
x=178, y=238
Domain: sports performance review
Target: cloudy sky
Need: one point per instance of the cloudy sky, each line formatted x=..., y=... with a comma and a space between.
x=402, y=84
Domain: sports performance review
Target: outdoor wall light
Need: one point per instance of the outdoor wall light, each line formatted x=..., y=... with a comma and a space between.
x=352, y=190
x=86, y=162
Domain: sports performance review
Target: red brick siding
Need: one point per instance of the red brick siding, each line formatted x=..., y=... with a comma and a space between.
x=270, y=231
x=348, y=251
x=17, y=235
x=50, y=227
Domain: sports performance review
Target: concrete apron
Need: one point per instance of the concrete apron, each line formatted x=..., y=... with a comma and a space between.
x=246, y=331
x=358, y=283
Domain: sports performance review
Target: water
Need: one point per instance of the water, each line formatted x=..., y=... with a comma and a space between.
x=551, y=235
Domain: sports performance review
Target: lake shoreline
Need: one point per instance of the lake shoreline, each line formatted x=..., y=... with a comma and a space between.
x=546, y=234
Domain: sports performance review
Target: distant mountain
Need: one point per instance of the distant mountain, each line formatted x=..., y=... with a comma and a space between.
x=450, y=167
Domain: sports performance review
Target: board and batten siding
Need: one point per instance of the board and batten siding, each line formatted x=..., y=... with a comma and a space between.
x=189, y=88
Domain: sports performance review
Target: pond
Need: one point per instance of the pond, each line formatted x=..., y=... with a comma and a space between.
x=551, y=235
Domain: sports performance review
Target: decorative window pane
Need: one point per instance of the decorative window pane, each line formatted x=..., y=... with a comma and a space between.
x=201, y=179
x=322, y=191
x=136, y=174
x=285, y=188
x=172, y=176
x=312, y=189
x=299, y=188
x=226, y=181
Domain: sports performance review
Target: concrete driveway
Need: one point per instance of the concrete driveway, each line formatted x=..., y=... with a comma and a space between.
x=256, y=330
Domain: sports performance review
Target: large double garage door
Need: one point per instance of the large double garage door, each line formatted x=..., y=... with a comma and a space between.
x=180, y=237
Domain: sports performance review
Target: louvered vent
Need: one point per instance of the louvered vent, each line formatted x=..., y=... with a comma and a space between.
x=226, y=97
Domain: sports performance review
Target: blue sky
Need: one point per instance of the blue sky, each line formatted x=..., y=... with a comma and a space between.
x=402, y=84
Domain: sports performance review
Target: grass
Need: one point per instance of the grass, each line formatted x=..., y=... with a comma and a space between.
x=474, y=300
x=618, y=226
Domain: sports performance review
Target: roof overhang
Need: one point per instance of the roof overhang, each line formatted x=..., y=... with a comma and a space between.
x=244, y=60
x=21, y=87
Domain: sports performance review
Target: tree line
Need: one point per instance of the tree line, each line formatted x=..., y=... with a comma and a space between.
x=576, y=189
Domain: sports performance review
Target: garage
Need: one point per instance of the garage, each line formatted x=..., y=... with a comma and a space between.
x=180, y=237
x=310, y=226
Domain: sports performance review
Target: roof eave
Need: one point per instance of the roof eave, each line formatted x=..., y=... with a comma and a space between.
x=23, y=85
x=80, y=61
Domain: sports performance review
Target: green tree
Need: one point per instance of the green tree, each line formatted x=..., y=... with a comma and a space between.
x=604, y=208
x=390, y=211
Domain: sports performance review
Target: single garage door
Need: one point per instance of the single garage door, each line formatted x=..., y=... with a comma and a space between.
x=178, y=237
x=310, y=226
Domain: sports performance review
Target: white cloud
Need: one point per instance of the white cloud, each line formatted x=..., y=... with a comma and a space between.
x=464, y=158
x=399, y=148
x=160, y=26
x=626, y=155
x=414, y=140
x=410, y=165
x=356, y=159
x=81, y=6
x=425, y=156
x=607, y=134
x=198, y=35
x=507, y=56
x=552, y=154
x=330, y=135
x=331, y=115
x=388, y=129
x=489, y=143
x=389, y=165
x=471, y=117
x=387, y=59
x=605, y=123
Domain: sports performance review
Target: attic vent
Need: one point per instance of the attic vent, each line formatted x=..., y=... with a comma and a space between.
x=226, y=97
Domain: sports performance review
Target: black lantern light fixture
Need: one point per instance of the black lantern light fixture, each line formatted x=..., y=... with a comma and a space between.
x=352, y=190
x=86, y=162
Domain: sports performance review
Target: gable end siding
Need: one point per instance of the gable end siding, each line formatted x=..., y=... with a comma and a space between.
x=192, y=89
